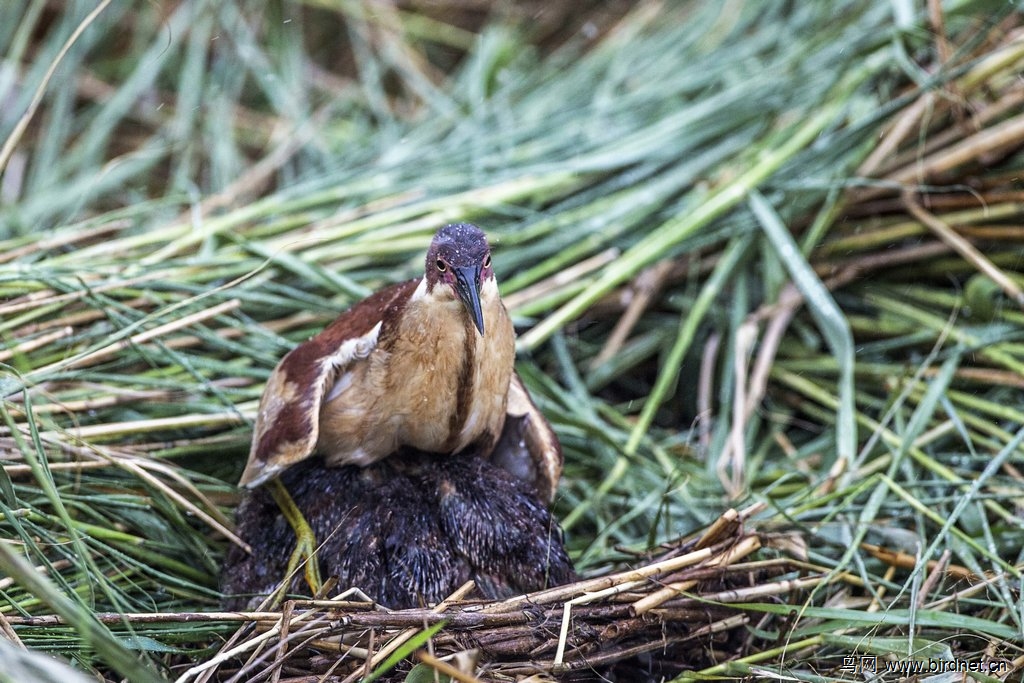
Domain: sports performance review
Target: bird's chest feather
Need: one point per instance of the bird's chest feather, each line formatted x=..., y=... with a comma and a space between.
x=433, y=382
x=424, y=359
x=452, y=380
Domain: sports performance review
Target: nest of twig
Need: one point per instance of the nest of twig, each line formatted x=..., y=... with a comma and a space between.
x=681, y=609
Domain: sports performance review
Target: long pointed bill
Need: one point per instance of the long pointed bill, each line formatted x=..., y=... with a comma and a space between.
x=466, y=281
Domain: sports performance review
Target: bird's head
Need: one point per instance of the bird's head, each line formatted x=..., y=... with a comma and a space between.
x=459, y=259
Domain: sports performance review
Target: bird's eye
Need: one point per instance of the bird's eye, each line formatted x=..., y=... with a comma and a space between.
x=487, y=261
x=441, y=266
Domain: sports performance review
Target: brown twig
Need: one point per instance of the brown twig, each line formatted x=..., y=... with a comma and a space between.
x=962, y=246
x=644, y=290
x=446, y=668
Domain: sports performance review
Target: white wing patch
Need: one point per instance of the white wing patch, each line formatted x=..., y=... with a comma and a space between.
x=358, y=348
x=420, y=292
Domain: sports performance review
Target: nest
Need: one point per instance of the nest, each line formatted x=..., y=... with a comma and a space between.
x=680, y=610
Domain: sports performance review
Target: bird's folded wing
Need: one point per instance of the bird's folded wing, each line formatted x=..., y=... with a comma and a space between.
x=288, y=421
x=528, y=447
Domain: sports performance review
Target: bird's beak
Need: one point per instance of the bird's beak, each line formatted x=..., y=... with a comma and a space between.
x=467, y=284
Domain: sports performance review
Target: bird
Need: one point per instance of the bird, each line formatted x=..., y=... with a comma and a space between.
x=407, y=530
x=426, y=364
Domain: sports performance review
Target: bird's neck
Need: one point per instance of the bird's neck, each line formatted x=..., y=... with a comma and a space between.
x=440, y=306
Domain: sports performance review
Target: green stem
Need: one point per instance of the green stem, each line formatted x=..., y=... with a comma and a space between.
x=663, y=238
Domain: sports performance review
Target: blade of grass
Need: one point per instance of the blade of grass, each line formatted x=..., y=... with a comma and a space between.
x=125, y=662
x=688, y=324
x=830, y=319
x=660, y=240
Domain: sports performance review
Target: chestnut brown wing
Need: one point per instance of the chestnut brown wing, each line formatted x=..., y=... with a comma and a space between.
x=288, y=422
x=528, y=447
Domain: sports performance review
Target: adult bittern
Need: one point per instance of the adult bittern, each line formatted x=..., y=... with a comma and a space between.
x=425, y=364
